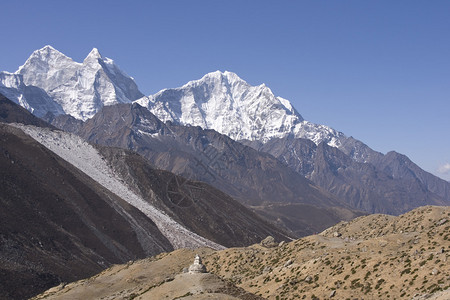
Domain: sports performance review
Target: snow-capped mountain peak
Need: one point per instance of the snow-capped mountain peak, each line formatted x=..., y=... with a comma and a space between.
x=46, y=53
x=226, y=103
x=81, y=89
x=93, y=55
x=45, y=67
x=217, y=78
x=47, y=56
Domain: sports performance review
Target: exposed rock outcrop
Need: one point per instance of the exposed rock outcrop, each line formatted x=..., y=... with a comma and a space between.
x=269, y=242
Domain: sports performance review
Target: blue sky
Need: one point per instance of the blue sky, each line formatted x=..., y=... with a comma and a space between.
x=375, y=70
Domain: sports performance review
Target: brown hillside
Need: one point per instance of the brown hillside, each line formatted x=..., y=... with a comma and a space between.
x=372, y=257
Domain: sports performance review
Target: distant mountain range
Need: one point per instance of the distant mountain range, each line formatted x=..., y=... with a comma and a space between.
x=345, y=167
x=226, y=103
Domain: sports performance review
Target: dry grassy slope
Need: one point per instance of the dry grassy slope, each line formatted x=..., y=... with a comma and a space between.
x=375, y=257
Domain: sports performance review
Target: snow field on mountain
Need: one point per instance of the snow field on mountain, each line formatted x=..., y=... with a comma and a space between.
x=86, y=158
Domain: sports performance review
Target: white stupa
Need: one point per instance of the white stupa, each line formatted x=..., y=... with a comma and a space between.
x=197, y=266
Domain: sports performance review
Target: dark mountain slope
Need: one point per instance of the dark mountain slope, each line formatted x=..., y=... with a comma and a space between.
x=56, y=224
x=63, y=122
x=59, y=225
x=135, y=165
x=198, y=206
x=251, y=177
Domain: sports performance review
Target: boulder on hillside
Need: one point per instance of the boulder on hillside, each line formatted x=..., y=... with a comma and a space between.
x=269, y=242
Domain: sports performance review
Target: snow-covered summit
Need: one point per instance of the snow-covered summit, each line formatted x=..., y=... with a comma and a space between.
x=93, y=55
x=226, y=103
x=80, y=88
x=47, y=67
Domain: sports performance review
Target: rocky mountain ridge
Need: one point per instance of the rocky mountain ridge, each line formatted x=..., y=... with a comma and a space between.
x=381, y=183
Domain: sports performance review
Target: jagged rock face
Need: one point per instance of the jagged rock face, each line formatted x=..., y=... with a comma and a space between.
x=226, y=103
x=80, y=88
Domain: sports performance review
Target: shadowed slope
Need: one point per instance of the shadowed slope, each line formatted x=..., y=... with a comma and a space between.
x=251, y=177
x=57, y=224
x=198, y=206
